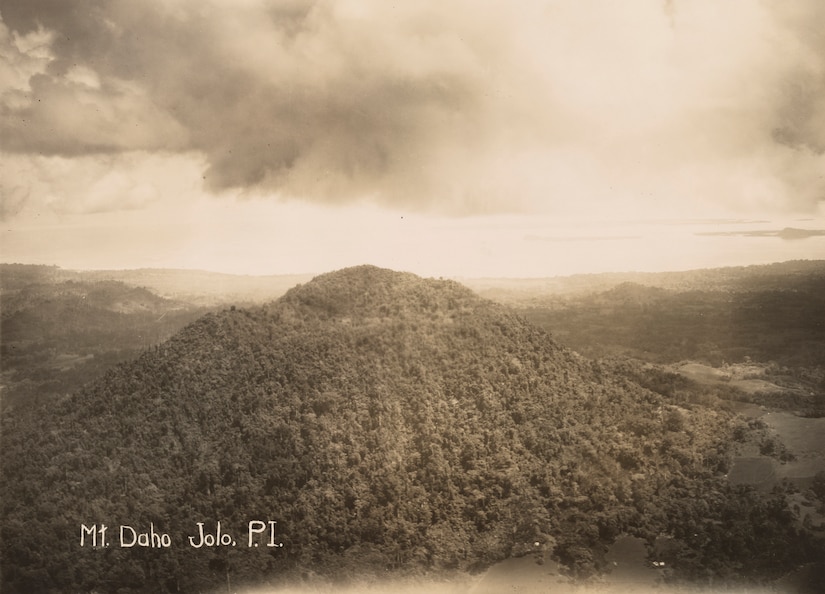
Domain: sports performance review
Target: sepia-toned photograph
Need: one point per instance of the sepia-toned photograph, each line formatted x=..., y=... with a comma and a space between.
x=456, y=297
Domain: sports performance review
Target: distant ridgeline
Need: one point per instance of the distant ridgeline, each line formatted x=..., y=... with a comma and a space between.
x=366, y=421
x=59, y=334
x=766, y=313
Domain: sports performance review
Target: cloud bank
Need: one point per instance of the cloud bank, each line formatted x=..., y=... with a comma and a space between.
x=464, y=107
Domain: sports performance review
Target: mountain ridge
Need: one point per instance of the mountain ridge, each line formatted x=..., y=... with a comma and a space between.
x=441, y=432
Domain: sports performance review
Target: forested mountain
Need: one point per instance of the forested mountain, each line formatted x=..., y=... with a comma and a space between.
x=385, y=422
x=57, y=335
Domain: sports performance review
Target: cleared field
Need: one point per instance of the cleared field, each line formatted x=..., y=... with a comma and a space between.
x=704, y=374
x=801, y=435
x=759, y=472
x=736, y=376
x=805, y=439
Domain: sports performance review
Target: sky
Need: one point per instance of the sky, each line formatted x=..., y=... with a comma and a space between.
x=462, y=138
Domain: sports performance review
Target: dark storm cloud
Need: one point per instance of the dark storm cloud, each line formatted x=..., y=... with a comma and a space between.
x=461, y=106
x=304, y=97
x=800, y=113
x=71, y=118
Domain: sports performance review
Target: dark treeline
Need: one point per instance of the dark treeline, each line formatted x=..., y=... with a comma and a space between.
x=784, y=325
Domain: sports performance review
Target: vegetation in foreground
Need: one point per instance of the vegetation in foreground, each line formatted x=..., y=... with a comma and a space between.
x=387, y=424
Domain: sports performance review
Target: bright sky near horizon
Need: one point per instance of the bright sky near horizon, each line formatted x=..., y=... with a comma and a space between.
x=462, y=138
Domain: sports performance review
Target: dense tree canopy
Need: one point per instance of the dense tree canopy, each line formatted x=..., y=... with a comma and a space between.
x=383, y=421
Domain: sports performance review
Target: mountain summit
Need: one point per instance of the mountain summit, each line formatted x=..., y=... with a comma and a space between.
x=384, y=421
x=378, y=293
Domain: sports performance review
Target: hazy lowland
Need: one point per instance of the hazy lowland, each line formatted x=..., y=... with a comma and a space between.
x=624, y=431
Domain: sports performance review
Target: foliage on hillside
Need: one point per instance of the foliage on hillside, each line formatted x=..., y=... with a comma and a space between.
x=57, y=336
x=385, y=422
x=785, y=325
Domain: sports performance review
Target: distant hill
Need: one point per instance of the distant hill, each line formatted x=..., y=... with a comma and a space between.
x=196, y=287
x=735, y=278
x=58, y=335
x=777, y=317
x=213, y=288
x=386, y=423
x=772, y=316
x=62, y=328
